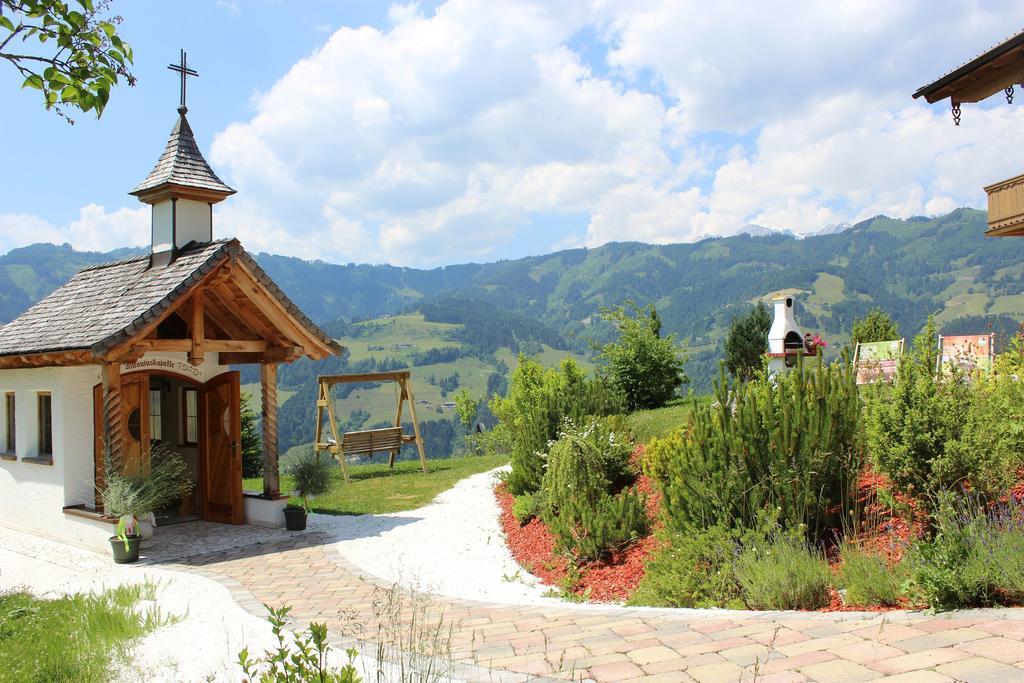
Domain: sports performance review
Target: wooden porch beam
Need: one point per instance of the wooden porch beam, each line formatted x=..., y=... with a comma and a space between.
x=279, y=354
x=113, y=418
x=42, y=360
x=196, y=355
x=268, y=394
x=187, y=345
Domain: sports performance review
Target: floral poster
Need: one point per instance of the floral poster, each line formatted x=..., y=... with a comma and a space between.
x=877, y=361
x=969, y=352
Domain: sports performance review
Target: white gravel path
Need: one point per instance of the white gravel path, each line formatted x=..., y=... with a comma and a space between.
x=452, y=547
x=202, y=646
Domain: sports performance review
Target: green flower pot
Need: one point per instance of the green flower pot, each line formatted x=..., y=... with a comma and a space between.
x=123, y=555
x=294, y=519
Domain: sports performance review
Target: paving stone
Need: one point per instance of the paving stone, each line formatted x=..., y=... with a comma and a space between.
x=918, y=677
x=816, y=644
x=797, y=661
x=615, y=671
x=866, y=651
x=981, y=670
x=941, y=639
x=923, y=659
x=650, y=655
x=722, y=672
x=1003, y=650
x=778, y=677
x=888, y=633
x=837, y=671
x=745, y=655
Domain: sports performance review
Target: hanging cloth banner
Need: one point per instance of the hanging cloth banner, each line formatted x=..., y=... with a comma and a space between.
x=877, y=361
x=969, y=352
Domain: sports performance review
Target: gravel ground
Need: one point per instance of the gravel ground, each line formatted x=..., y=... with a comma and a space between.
x=452, y=547
x=202, y=646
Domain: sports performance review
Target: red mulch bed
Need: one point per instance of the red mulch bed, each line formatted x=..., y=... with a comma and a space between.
x=886, y=530
x=613, y=580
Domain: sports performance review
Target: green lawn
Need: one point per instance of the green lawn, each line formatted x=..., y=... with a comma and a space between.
x=78, y=638
x=661, y=422
x=375, y=488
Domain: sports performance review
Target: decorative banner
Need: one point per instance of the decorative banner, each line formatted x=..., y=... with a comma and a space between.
x=877, y=361
x=969, y=352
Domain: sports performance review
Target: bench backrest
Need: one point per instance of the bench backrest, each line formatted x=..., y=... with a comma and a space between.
x=373, y=441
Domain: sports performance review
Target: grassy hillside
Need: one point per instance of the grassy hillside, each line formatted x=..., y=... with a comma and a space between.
x=548, y=304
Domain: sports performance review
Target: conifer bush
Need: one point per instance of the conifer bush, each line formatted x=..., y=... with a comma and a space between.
x=590, y=530
x=532, y=412
x=790, y=442
x=585, y=466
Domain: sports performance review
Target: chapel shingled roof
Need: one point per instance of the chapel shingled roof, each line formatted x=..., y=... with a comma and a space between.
x=107, y=304
x=182, y=164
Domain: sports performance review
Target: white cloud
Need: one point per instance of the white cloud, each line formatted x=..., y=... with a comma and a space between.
x=95, y=229
x=439, y=137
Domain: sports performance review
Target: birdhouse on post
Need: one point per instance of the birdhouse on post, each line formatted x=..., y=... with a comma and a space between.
x=785, y=340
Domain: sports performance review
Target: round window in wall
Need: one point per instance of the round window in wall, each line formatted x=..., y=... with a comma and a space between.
x=135, y=424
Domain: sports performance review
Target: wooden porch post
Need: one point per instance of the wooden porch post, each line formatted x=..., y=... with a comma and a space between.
x=268, y=391
x=113, y=421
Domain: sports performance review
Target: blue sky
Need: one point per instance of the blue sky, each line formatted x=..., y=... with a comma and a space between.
x=425, y=134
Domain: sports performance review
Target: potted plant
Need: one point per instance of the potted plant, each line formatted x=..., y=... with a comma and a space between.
x=134, y=497
x=312, y=476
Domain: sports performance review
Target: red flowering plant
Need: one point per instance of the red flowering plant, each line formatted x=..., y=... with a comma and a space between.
x=812, y=344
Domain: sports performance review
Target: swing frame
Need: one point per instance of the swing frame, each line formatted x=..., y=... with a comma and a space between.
x=367, y=442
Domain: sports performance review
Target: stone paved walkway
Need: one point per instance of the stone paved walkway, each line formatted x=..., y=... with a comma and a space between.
x=501, y=642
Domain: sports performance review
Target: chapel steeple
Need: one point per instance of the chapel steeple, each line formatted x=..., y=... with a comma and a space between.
x=181, y=188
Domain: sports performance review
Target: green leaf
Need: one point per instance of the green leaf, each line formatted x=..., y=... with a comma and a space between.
x=6, y=23
x=33, y=81
x=69, y=94
x=109, y=29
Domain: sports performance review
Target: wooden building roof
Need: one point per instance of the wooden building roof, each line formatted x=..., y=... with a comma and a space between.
x=985, y=75
x=115, y=310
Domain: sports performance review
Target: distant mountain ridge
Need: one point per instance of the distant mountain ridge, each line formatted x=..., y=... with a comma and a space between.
x=910, y=268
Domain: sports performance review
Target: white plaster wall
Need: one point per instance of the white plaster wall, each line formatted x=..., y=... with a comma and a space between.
x=161, y=226
x=193, y=222
x=34, y=495
x=177, y=364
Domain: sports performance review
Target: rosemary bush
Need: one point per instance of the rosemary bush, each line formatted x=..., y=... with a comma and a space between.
x=164, y=480
x=868, y=580
x=312, y=476
x=783, y=573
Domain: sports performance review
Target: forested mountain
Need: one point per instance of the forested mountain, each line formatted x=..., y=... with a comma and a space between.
x=910, y=268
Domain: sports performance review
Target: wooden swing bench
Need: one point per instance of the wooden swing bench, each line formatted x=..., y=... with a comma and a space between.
x=369, y=441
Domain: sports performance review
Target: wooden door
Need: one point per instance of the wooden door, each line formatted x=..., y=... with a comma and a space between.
x=220, y=471
x=135, y=410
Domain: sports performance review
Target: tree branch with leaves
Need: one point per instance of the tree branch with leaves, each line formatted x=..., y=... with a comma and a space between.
x=70, y=51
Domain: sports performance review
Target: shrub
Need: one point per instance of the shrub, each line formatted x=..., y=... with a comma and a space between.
x=692, y=570
x=783, y=573
x=909, y=425
x=876, y=326
x=590, y=530
x=532, y=412
x=646, y=367
x=746, y=342
x=136, y=494
x=527, y=506
x=867, y=580
x=302, y=658
x=791, y=443
x=312, y=475
x=976, y=556
x=586, y=462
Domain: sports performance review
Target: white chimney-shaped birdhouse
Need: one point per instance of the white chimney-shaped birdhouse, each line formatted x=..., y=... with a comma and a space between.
x=785, y=340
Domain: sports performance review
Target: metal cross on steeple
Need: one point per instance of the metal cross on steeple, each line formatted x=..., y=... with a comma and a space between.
x=184, y=72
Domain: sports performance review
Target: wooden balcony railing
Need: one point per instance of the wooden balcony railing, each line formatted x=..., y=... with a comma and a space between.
x=1006, y=207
